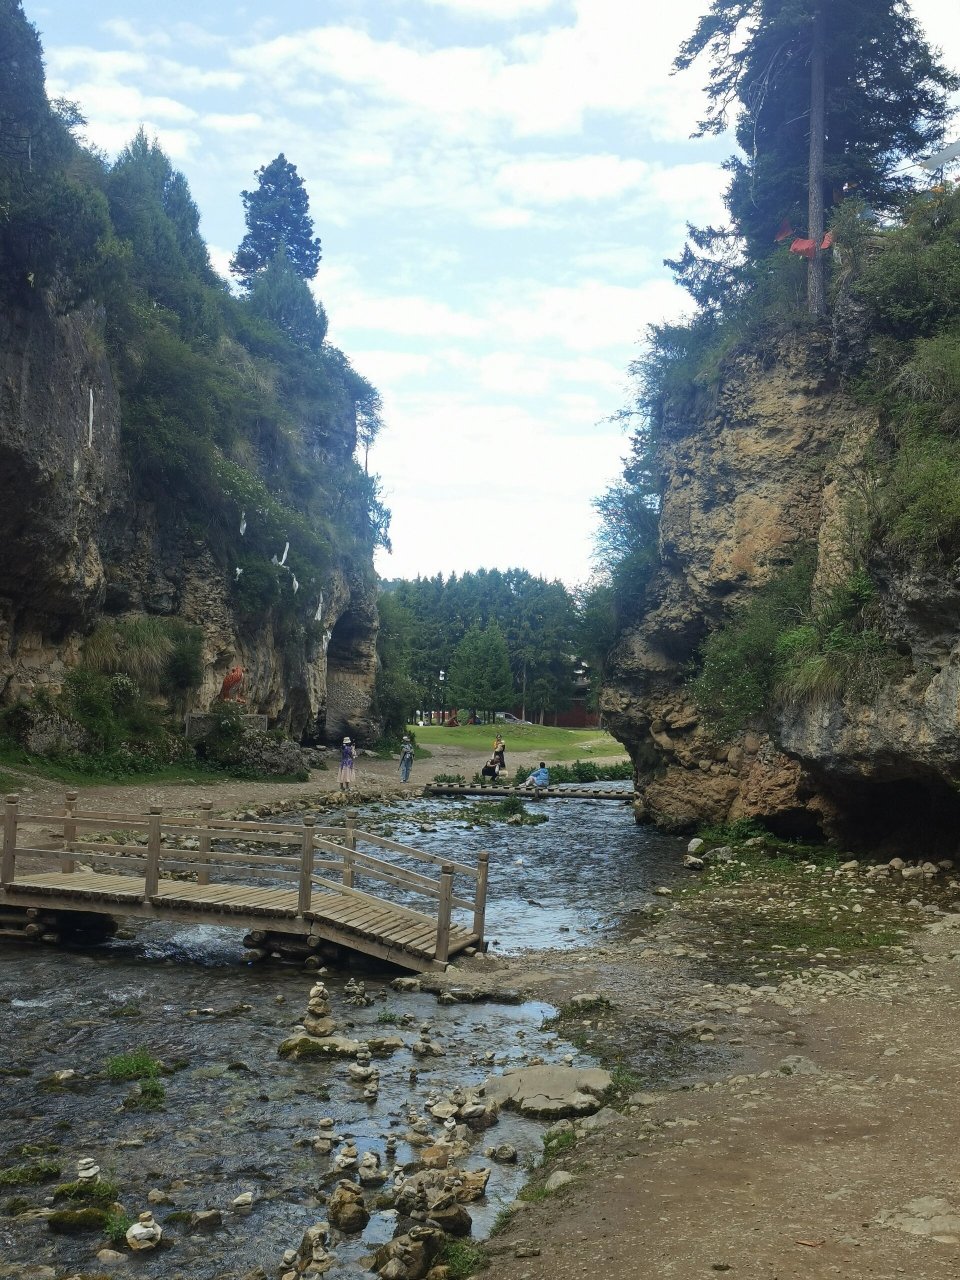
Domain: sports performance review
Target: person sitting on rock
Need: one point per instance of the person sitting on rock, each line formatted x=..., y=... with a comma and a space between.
x=539, y=778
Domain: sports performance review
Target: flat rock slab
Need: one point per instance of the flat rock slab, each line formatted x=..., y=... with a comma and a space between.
x=549, y=1092
x=301, y=1045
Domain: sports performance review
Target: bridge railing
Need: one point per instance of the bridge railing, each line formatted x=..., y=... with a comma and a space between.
x=327, y=859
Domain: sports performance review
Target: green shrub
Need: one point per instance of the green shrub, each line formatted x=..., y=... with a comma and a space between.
x=463, y=1258
x=139, y=1064
x=738, y=662
x=116, y=1225
x=102, y=1192
x=836, y=652
x=150, y=1095
x=26, y=1175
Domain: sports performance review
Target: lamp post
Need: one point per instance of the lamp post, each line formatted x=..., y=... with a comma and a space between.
x=443, y=676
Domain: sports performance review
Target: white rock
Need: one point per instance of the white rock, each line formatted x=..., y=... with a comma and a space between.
x=144, y=1234
x=695, y=845
x=557, y=1180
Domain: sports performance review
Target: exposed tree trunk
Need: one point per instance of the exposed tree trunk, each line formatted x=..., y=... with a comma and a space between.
x=816, y=293
x=523, y=693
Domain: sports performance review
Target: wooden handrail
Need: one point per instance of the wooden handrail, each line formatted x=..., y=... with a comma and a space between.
x=151, y=876
x=67, y=863
x=8, y=857
x=458, y=868
x=442, y=952
x=306, y=868
x=301, y=864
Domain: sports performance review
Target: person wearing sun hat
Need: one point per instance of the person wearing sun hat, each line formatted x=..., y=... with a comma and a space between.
x=347, y=757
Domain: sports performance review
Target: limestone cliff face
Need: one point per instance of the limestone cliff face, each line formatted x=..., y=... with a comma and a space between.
x=76, y=542
x=773, y=459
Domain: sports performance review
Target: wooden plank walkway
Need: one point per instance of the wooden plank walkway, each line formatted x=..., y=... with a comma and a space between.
x=529, y=793
x=146, y=883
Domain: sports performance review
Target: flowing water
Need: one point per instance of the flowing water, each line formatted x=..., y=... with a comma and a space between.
x=238, y=1118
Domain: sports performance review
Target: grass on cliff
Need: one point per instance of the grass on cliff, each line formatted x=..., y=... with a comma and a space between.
x=783, y=648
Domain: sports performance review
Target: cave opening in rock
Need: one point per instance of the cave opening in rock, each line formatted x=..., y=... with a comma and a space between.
x=908, y=817
x=349, y=677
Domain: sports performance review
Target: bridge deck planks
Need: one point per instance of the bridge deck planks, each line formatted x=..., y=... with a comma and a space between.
x=352, y=917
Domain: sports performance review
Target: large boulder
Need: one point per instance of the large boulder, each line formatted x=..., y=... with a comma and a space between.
x=549, y=1091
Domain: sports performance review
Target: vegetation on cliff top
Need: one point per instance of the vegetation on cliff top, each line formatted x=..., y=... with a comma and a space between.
x=893, y=293
x=232, y=406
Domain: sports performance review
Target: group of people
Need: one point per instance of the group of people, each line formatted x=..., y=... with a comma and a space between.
x=492, y=770
x=540, y=777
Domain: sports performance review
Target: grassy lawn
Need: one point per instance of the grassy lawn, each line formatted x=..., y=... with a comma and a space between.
x=534, y=739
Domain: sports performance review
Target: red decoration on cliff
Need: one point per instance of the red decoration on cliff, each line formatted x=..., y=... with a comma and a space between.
x=231, y=682
x=806, y=248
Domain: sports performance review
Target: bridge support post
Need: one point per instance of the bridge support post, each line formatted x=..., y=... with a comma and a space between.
x=350, y=847
x=11, y=811
x=444, y=909
x=480, y=901
x=203, y=872
x=151, y=879
x=306, y=868
x=67, y=862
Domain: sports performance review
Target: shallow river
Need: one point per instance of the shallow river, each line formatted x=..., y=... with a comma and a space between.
x=235, y=1112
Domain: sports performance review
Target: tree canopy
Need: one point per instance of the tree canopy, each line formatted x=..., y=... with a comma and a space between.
x=278, y=218
x=826, y=99
x=535, y=620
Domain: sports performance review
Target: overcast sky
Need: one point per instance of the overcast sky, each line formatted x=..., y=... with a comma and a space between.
x=495, y=184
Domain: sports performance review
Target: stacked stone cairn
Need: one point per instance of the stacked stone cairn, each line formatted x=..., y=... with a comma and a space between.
x=318, y=1021
x=144, y=1234
x=312, y=1258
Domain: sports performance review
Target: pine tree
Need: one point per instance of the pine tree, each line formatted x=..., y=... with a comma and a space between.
x=278, y=217
x=827, y=98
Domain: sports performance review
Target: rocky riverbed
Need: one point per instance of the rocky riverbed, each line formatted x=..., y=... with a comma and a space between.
x=778, y=1029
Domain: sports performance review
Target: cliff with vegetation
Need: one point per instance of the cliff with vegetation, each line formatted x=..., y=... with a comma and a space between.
x=793, y=656
x=178, y=488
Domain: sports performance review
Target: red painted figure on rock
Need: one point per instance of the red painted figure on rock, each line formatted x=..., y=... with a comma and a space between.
x=232, y=684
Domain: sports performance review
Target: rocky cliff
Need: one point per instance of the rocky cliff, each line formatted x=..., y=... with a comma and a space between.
x=80, y=540
x=775, y=458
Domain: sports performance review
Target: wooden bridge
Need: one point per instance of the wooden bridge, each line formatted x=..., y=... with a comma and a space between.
x=496, y=792
x=168, y=868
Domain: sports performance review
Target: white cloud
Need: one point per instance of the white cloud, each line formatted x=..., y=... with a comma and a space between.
x=495, y=10
x=245, y=122
x=135, y=35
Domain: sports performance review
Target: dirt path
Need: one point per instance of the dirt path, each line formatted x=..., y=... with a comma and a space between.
x=374, y=780
x=820, y=1141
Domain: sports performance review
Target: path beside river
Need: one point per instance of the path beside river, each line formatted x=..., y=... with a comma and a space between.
x=821, y=1141
x=784, y=1112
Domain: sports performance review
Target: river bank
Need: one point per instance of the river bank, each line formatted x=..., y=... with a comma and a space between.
x=815, y=1138
x=780, y=1032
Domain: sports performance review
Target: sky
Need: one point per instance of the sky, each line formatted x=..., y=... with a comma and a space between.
x=495, y=184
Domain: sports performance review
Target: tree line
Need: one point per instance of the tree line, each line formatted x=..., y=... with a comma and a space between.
x=502, y=639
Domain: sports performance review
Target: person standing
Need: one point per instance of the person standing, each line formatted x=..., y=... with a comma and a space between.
x=347, y=757
x=499, y=753
x=406, y=758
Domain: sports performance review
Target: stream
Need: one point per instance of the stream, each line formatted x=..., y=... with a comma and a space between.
x=237, y=1118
